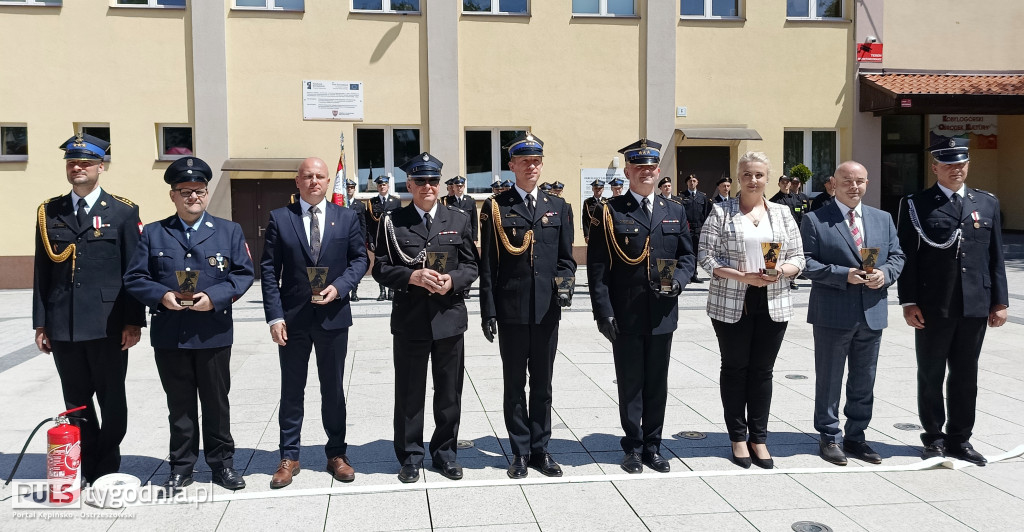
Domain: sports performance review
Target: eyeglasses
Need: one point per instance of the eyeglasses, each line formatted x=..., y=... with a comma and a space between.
x=186, y=193
x=423, y=181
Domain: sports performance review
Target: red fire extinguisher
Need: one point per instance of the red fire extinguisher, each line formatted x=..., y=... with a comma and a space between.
x=63, y=458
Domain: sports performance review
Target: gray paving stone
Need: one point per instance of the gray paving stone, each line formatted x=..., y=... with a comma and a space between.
x=372, y=512
x=671, y=496
x=291, y=513
x=784, y=519
x=913, y=516
x=942, y=485
x=855, y=489
x=499, y=505
x=582, y=507
x=764, y=492
x=997, y=513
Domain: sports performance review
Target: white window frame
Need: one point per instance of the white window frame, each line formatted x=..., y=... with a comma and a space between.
x=808, y=148
x=389, y=157
x=707, y=10
x=37, y=3
x=385, y=9
x=161, y=156
x=603, y=11
x=271, y=6
x=12, y=158
x=495, y=5
x=812, y=12
x=496, y=149
x=150, y=4
x=80, y=125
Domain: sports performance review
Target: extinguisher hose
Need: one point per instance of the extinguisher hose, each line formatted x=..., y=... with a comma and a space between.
x=22, y=455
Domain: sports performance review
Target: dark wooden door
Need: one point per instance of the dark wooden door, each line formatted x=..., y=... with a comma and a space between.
x=708, y=163
x=251, y=203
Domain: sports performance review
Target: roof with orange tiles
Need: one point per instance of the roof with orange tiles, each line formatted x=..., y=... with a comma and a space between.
x=1010, y=84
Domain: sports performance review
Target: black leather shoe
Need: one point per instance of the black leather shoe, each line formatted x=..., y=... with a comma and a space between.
x=793, y=286
x=410, y=473
x=546, y=465
x=862, y=451
x=382, y=295
x=631, y=464
x=228, y=478
x=353, y=296
x=932, y=451
x=742, y=461
x=517, y=469
x=696, y=280
x=967, y=454
x=656, y=462
x=175, y=482
x=763, y=463
x=391, y=294
x=450, y=470
x=831, y=453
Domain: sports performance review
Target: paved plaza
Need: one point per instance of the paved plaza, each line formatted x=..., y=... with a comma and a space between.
x=704, y=491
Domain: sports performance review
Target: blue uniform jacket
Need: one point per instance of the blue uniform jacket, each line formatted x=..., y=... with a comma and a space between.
x=218, y=252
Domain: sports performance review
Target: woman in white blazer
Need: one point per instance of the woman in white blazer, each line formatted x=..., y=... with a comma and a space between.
x=749, y=309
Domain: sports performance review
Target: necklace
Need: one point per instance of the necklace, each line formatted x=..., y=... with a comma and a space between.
x=750, y=216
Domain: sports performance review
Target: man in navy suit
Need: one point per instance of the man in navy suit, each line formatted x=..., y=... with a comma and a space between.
x=954, y=287
x=192, y=342
x=311, y=232
x=848, y=308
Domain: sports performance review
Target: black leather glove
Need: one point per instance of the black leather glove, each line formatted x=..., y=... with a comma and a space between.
x=609, y=328
x=676, y=289
x=564, y=300
x=490, y=326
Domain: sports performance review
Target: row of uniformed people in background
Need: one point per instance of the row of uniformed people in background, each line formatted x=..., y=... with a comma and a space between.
x=94, y=273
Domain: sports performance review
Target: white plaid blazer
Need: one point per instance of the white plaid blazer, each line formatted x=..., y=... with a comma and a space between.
x=721, y=244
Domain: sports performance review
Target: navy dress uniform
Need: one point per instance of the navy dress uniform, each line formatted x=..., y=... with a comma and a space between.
x=427, y=325
x=631, y=308
x=359, y=208
x=590, y=206
x=955, y=275
x=616, y=185
x=464, y=202
x=719, y=198
x=192, y=348
x=80, y=310
x=697, y=208
x=556, y=188
x=376, y=207
x=522, y=252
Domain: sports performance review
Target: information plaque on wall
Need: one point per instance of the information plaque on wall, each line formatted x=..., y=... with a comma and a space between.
x=332, y=100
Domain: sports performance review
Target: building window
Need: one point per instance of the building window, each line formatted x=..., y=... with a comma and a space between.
x=496, y=7
x=818, y=149
x=150, y=3
x=100, y=131
x=604, y=8
x=13, y=142
x=709, y=8
x=174, y=141
x=278, y=5
x=30, y=2
x=814, y=9
x=486, y=161
x=380, y=150
x=387, y=6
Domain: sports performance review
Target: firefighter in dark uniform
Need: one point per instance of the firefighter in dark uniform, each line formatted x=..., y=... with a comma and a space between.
x=360, y=209
x=722, y=188
x=375, y=208
x=425, y=252
x=557, y=188
x=526, y=242
x=697, y=207
x=80, y=311
x=635, y=298
x=192, y=339
x=953, y=286
x=459, y=199
x=590, y=206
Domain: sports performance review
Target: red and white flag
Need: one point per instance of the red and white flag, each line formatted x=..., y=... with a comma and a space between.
x=340, y=198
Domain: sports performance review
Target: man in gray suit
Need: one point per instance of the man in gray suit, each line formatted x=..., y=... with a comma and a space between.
x=848, y=308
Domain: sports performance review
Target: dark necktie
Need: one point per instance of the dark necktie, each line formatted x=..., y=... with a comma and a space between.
x=188, y=233
x=83, y=217
x=314, y=233
x=426, y=220
x=957, y=205
x=646, y=204
x=529, y=205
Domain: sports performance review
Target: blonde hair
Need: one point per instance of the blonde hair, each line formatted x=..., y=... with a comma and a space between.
x=755, y=157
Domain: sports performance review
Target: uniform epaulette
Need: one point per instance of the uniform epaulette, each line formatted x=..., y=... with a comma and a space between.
x=52, y=199
x=456, y=209
x=676, y=200
x=984, y=192
x=124, y=200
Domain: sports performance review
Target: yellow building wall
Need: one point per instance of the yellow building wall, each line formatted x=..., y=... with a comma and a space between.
x=767, y=74
x=574, y=81
x=87, y=62
x=269, y=54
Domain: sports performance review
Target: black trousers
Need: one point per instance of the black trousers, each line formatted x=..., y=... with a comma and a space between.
x=641, y=371
x=188, y=374
x=528, y=348
x=447, y=364
x=95, y=367
x=749, y=348
x=331, y=348
x=956, y=343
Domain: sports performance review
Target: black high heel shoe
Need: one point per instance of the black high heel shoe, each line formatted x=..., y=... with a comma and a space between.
x=743, y=461
x=764, y=463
